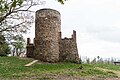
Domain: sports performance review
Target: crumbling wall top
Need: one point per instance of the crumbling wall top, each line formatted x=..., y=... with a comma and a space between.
x=47, y=9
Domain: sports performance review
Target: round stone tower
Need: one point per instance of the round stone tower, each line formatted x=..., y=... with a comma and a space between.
x=47, y=28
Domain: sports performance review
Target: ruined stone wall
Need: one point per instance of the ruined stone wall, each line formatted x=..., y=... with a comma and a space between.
x=30, y=48
x=47, y=26
x=68, y=49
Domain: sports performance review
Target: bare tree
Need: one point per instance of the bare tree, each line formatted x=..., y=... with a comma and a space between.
x=16, y=16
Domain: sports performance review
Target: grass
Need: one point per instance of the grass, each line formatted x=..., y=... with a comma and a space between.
x=110, y=66
x=13, y=68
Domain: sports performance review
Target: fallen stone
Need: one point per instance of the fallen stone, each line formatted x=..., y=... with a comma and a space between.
x=31, y=63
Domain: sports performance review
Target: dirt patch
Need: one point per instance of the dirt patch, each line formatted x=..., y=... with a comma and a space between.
x=110, y=71
x=82, y=78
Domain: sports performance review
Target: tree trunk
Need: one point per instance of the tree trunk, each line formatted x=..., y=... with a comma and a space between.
x=17, y=52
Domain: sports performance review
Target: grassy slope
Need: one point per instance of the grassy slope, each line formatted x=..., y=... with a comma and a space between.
x=13, y=68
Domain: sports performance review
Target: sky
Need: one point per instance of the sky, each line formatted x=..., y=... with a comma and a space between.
x=97, y=23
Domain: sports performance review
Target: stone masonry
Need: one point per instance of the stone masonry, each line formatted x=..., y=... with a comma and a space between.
x=68, y=49
x=48, y=46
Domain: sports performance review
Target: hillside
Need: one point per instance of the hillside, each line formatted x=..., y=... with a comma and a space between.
x=13, y=68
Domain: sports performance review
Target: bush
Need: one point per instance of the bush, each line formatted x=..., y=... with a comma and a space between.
x=1, y=54
x=4, y=48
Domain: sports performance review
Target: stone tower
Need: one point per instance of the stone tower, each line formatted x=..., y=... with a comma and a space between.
x=48, y=45
x=47, y=26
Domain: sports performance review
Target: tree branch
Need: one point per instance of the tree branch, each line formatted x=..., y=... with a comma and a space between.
x=10, y=28
x=13, y=10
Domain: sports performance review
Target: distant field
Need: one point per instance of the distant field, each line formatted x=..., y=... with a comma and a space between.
x=13, y=68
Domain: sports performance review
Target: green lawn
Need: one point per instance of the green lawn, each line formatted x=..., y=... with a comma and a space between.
x=13, y=68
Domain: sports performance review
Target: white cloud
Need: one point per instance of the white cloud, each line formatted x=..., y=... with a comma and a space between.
x=100, y=48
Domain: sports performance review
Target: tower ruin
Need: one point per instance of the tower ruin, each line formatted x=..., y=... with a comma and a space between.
x=48, y=45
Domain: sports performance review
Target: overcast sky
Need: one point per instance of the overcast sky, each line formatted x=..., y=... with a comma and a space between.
x=97, y=23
